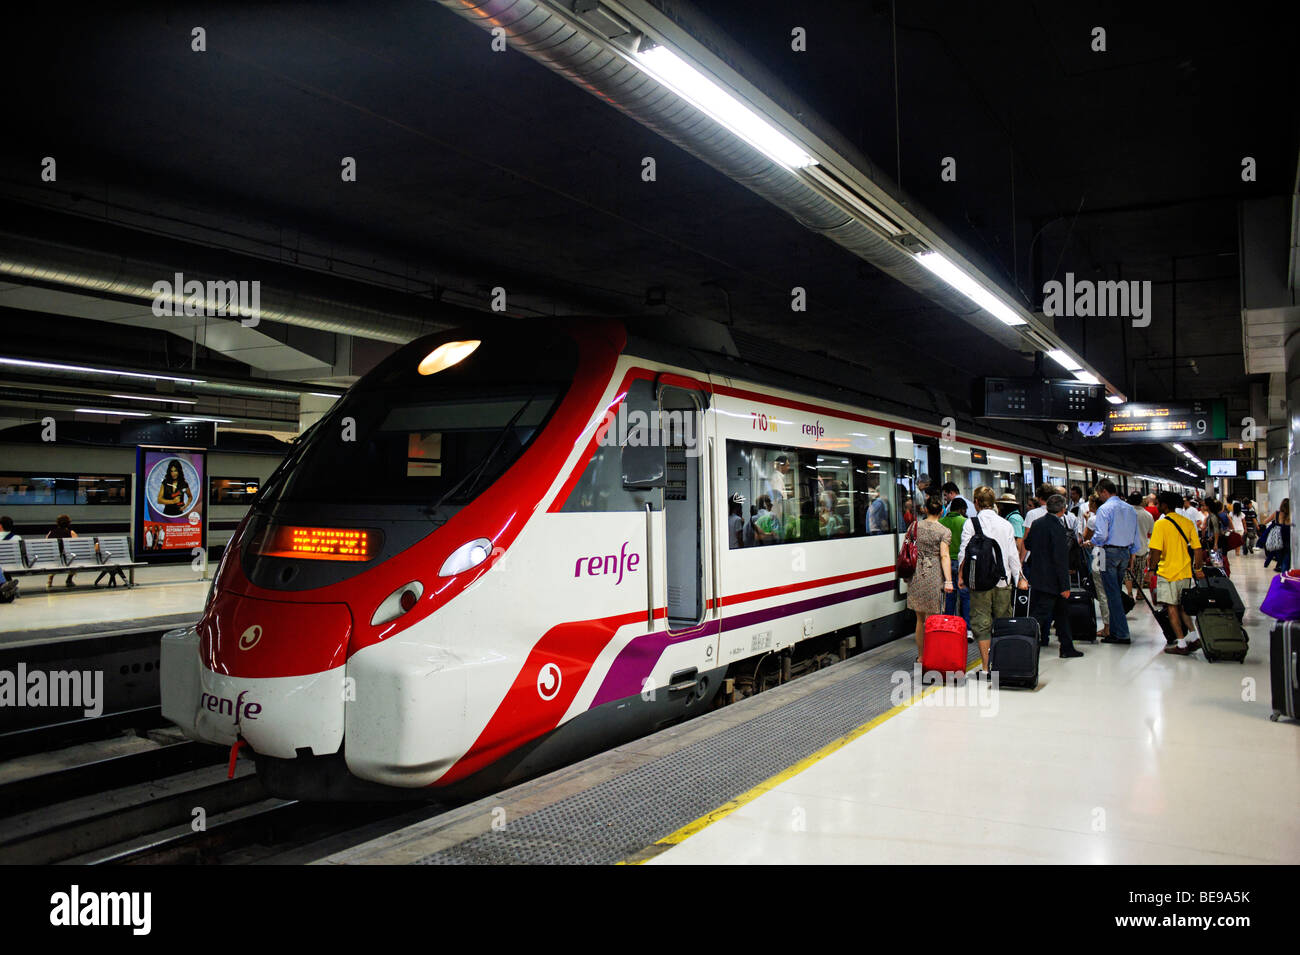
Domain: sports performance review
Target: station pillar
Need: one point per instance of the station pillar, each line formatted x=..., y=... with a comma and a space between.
x=1293, y=435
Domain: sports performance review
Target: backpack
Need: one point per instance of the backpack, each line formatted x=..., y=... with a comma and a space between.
x=983, y=567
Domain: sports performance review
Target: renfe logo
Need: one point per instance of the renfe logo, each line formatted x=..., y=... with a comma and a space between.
x=235, y=708
x=608, y=564
x=815, y=429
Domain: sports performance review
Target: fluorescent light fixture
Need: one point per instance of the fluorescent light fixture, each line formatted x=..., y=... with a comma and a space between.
x=1179, y=447
x=1115, y=399
x=446, y=355
x=24, y=363
x=322, y=394
x=194, y=419
x=1063, y=359
x=113, y=411
x=714, y=101
x=963, y=283
x=176, y=401
x=1087, y=377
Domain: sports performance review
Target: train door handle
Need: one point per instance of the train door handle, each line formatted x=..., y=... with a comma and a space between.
x=649, y=567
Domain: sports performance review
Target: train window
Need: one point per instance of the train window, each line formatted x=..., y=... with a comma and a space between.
x=782, y=495
x=104, y=489
x=401, y=438
x=600, y=488
x=17, y=490
x=233, y=490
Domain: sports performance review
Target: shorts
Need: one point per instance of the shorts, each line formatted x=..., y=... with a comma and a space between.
x=1170, y=591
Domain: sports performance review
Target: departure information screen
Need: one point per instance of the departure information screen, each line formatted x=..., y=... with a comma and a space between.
x=1153, y=424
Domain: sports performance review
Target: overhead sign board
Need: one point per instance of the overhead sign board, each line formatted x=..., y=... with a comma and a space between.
x=1162, y=423
x=1040, y=399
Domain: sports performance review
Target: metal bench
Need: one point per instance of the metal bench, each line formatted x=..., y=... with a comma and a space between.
x=43, y=556
x=115, y=552
x=11, y=557
x=80, y=552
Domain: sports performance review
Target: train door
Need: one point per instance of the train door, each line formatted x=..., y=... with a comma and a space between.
x=687, y=510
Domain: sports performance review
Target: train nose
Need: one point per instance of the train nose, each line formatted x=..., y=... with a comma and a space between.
x=273, y=672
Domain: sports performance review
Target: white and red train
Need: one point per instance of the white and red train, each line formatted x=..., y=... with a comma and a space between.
x=504, y=550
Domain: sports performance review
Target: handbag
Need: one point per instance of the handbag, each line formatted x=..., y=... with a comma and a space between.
x=1283, y=599
x=1273, y=540
x=905, y=566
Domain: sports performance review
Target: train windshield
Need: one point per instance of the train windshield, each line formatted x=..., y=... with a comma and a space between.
x=405, y=435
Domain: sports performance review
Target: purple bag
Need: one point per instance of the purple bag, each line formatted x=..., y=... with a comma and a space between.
x=1283, y=599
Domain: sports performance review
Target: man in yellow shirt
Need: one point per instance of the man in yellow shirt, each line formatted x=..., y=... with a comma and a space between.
x=1175, y=556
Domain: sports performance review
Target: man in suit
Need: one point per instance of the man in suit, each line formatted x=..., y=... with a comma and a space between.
x=1048, y=573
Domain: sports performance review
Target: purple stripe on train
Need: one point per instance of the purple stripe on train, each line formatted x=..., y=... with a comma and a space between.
x=637, y=660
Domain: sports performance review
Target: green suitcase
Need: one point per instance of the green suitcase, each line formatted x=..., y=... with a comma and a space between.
x=1222, y=636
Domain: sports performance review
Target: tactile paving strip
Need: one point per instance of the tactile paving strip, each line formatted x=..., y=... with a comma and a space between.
x=619, y=817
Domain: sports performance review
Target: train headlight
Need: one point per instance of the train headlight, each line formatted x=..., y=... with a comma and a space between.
x=466, y=556
x=397, y=603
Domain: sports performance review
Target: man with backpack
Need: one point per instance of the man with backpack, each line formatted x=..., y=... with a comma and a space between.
x=1176, y=556
x=989, y=565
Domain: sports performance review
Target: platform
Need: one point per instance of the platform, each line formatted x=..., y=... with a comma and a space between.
x=1128, y=755
x=163, y=596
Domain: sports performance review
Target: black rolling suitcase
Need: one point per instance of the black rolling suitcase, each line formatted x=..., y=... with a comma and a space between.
x=1215, y=591
x=1285, y=669
x=1161, y=613
x=1082, y=612
x=1013, y=652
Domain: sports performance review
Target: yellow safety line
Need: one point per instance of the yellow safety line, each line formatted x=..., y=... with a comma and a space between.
x=708, y=819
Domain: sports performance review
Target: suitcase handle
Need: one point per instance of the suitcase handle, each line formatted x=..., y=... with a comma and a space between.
x=1295, y=677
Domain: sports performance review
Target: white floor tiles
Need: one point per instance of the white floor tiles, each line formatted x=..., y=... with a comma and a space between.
x=158, y=591
x=1128, y=755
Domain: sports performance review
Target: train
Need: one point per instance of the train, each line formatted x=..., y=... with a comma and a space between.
x=508, y=548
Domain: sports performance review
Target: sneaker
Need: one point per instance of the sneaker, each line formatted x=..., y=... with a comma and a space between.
x=1186, y=651
x=1071, y=652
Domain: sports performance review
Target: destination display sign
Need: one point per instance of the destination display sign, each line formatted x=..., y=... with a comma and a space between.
x=1159, y=423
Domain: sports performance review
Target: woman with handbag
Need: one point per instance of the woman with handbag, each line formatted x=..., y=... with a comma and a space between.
x=931, y=580
x=1277, y=537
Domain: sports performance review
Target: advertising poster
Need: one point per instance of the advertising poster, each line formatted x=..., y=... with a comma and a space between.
x=171, y=502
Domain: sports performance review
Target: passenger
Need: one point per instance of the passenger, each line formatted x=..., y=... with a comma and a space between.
x=1115, y=533
x=63, y=530
x=830, y=524
x=955, y=520
x=932, y=582
x=1077, y=505
x=1087, y=526
x=1047, y=573
x=1251, y=518
x=1145, y=523
x=995, y=602
x=1009, y=509
x=767, y=529
x=7, y=532
x=878, y=514
x=1175, y=556
x=1042, y=496
x=909, y=516
x=1152, y=507
x=1282, y=519
x=950, y=493
x=1214, y=533
x=1237, y=526
x=736, y=521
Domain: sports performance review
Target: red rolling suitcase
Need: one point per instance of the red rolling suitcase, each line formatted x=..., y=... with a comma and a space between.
x=944, y=649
